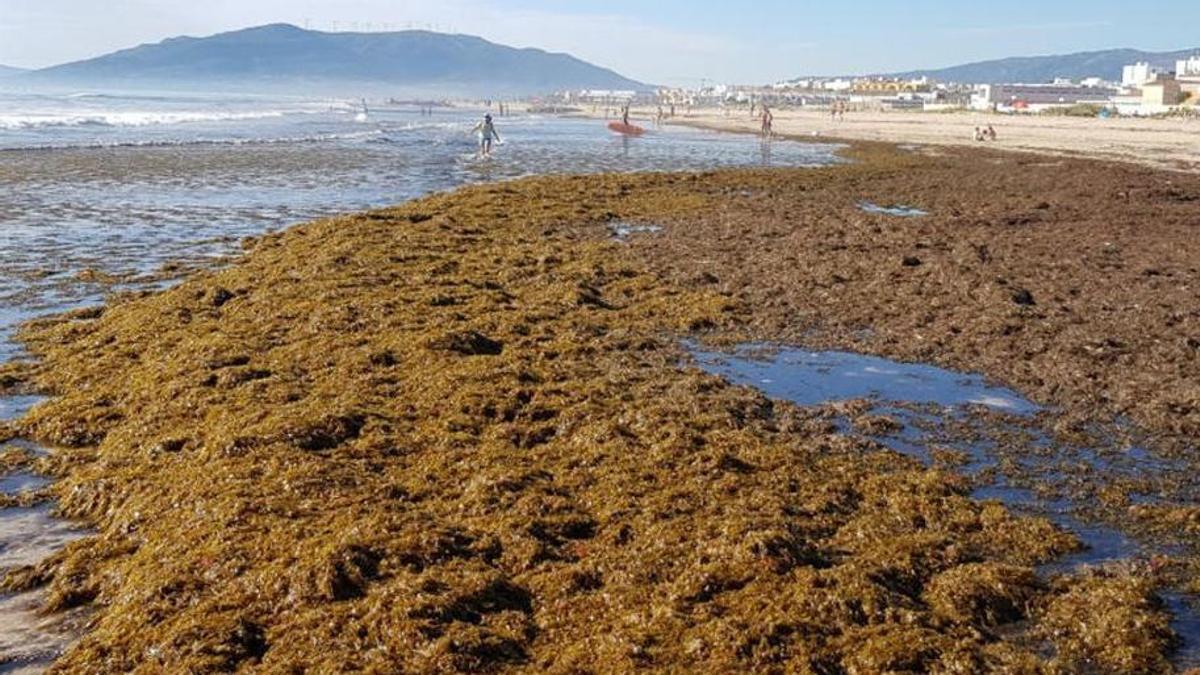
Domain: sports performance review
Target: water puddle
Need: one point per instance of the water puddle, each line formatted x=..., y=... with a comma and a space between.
x=29, y=639
x=994, y=431
x=813, y=378
x=894, y=210
x=623, y=231
x=27, y=535
x=22, y=481
x=12, y=407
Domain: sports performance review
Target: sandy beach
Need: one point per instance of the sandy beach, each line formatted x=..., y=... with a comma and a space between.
x=1172, y=144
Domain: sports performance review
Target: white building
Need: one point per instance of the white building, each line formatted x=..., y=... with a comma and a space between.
x=1138, y=74
x=606, y=96
x=1188, y=68
x=1037, y=97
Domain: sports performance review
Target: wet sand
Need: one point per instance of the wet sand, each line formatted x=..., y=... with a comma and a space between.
x=465, y=434
x=1172, y=144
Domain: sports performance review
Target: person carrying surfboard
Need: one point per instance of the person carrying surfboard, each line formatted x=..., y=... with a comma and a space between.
x=487, y=134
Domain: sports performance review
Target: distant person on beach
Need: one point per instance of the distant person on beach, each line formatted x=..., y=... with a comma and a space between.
x=979, y=134
x=625, y=115
x=487, y=135
x=991, y=133
x=658, y=120
x=768, y=120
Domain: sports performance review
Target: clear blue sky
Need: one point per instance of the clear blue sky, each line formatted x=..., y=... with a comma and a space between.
x=661, y=41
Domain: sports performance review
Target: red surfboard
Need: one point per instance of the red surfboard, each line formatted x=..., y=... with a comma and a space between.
x=627, y=129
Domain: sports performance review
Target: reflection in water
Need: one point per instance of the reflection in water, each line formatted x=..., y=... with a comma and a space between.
x=898, y=210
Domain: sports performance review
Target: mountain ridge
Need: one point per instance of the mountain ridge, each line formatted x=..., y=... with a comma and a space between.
x=1106, y=64
x=284, y=54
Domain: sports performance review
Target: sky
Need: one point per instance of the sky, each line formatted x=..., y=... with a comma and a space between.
x=658, y=41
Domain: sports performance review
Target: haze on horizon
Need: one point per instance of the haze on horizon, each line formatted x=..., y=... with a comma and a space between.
x=666, y=42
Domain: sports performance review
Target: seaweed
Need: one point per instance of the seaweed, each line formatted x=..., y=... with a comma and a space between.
x=461, y=435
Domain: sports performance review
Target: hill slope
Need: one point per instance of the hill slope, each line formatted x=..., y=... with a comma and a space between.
x=281, y=54
x=6, y=71
x=1031, y=69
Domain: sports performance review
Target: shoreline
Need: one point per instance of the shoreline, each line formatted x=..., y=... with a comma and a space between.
x=524, y=369
x=1165, y=144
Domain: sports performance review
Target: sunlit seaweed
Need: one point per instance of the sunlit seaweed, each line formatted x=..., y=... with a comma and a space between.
x=457, y=435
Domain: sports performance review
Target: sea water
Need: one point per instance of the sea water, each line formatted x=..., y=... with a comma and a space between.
x=100, y=190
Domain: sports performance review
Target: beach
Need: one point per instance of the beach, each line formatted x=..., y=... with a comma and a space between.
x=1172, y=144
x=473, y=432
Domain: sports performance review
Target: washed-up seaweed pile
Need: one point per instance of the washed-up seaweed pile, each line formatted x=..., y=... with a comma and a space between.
x=457, y=435
x=1075, y=281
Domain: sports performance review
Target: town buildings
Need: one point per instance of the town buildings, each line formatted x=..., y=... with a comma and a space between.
x=1144, y=89
x=1039, y=97
x=1137, y=74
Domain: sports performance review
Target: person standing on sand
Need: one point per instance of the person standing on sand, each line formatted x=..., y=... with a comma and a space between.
x=768, y=119
x=487, y=134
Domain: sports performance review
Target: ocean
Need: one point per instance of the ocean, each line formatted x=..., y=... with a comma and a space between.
x=106, y=191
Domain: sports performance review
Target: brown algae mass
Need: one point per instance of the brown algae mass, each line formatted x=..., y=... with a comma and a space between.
x=456, y=435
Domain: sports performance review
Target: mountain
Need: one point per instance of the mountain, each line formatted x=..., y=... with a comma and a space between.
x=282, y=55
x=7, y=71
x=1034, y=69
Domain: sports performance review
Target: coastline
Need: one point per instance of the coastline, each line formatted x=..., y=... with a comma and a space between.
x=415, y=432
x=1169, y=144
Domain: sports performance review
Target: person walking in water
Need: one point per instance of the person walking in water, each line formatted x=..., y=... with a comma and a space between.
x=487, y=134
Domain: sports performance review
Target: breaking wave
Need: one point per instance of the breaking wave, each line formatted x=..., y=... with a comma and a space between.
x=282, y=140
x=128, y=119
